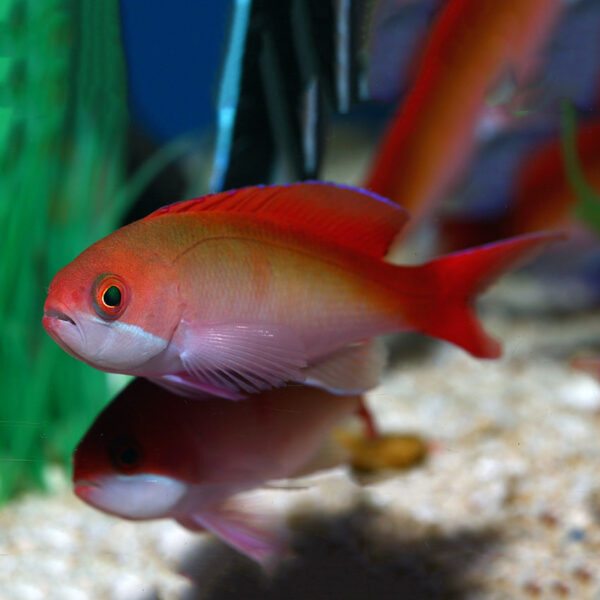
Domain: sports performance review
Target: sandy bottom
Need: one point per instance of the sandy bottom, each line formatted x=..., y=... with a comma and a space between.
x=507, y=504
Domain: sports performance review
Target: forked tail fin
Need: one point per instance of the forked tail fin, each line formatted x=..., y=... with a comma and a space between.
x=450, y=284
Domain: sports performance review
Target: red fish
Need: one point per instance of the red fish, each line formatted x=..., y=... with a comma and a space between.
x=471, y=46
x=589, y=364
x=540, y=197
x=151, y=454
x=543, y=195
x=246, y=290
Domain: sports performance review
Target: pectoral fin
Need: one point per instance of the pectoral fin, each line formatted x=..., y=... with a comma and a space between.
x=184, y=384
x=237, y=359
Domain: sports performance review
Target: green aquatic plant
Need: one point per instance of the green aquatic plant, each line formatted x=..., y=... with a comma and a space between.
x=63, y=124
x=588, y=202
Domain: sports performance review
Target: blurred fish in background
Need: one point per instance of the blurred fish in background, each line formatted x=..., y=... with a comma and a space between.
x=288, y=65
x=519, y=186
x=472, y=46
x=518, y=181
x=403, y=52
x=521, y=179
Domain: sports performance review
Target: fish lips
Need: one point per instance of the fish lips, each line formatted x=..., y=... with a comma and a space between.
x=91, y=491
x=63, y=329
x=84, y=488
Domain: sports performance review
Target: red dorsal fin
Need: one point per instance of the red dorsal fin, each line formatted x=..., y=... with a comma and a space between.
x=346, y=216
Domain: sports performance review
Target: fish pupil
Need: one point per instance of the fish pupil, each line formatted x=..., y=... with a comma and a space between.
x=112, y=296
x=129, y=456
x=125, y=455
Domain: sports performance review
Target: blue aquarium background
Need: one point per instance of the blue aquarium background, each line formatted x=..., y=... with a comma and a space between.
x=173, y=60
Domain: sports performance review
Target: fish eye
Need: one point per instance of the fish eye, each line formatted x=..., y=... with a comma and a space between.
x=112, y=297
x=109, y=296
x=126, y=455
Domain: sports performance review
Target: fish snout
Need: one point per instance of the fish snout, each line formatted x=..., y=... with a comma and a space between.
x=84, y=488
x=63, y=328
x=51, y=315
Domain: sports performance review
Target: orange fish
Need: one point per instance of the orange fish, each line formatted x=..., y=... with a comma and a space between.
x=471, y=46
x=151, y=454
x=245, y=290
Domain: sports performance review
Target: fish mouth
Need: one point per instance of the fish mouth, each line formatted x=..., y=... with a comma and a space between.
x=54, y=313
x=86, y=482
x=61, y=328
x=83, y=488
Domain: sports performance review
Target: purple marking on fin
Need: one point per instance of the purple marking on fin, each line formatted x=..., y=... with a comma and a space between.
x=183, y=206
x=352, y=188
x=183, y=384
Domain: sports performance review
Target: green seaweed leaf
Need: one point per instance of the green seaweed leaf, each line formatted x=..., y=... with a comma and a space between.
x=588, y=203
x=63, y=122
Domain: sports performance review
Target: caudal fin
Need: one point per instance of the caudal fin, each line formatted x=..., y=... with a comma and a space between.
x=449, y=285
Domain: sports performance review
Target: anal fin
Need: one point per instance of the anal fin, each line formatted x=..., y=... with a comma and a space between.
x=253, y=534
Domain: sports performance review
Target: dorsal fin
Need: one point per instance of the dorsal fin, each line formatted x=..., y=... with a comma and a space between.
x=342, y=215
